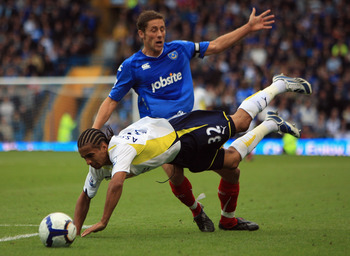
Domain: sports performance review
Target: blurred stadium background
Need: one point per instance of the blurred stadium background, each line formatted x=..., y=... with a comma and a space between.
x=59, y=61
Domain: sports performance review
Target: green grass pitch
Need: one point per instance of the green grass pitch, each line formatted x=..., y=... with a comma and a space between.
x=302, y=205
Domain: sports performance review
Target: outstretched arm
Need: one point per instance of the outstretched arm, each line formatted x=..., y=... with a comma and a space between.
x=255, y=23
x=104, y=112
x=114, y=193
x=81, y=210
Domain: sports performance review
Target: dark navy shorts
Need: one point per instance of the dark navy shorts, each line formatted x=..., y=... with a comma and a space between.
x=202, y=135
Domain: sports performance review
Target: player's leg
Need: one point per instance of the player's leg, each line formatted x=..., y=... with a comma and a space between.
x=229, y=185
x=242, y=120
x=258, y=101
x=228, y=192
x=245, y=144
x=182, y=189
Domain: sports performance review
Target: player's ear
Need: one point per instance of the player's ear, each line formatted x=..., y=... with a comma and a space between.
x=104, y=147
x=141, y=34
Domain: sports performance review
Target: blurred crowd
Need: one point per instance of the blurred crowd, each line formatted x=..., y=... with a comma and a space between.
x=39, y=38
x=309, y=39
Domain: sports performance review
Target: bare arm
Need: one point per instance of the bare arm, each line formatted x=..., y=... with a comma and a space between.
x=226, y=41
x=104, y=112
x=81, y=210
x=114, y=193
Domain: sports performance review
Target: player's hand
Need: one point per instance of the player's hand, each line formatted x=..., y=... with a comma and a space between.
x=262, y=21
x=95, y=228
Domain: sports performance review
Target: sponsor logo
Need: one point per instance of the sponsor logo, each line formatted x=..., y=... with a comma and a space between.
x=145, y=66
x=173, y=55
x=223, y=129
x=163, y=82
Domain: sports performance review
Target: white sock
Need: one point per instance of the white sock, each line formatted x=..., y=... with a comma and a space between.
x=279, y=87
x=245, y=144
x=259, y=101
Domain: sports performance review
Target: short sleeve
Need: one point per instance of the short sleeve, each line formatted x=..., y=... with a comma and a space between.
x=200, y=49
x=94, y=179
x=123, y=83
x=90, y=186
x=121, y=158
x=193, y=50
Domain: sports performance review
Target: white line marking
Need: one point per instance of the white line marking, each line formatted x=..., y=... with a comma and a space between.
x=30, y=225
x=12, y=238
x=18, y=225
x=5, y=239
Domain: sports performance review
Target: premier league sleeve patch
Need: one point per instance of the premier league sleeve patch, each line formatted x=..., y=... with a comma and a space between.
x=92, y=183
x=173, y=55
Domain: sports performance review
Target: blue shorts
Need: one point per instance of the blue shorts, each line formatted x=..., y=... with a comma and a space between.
x=202, y=135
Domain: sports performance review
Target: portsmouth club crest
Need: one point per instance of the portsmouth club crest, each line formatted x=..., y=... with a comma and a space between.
x=173, y=55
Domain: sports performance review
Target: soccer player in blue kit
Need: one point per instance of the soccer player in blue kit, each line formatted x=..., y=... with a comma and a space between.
x=161, y=76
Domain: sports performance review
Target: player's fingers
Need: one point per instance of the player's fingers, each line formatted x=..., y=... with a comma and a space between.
x=265, y=13
x=88, y=231
x=269, y=18
x=253, y=12
x=268, y=23
x=85, y=233
x=267, y=27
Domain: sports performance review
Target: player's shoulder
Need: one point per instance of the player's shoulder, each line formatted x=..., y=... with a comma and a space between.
x=178, y=43
x=179, y=48
x=131, y=62
x=133, y=58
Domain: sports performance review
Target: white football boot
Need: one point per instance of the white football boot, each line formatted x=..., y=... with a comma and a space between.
x=298, y=85
x=283, y=126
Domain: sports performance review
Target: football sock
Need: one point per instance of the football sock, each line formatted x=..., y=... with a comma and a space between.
x=245, y=144
x=228, y=195
x=259, y=101
x=184, y=193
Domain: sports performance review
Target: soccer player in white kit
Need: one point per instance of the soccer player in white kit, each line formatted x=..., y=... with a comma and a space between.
x=193, y=140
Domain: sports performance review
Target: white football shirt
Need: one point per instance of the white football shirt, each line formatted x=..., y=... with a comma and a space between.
x=142, y=146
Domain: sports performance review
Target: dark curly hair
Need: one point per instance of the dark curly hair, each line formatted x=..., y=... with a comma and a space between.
x=94, y=137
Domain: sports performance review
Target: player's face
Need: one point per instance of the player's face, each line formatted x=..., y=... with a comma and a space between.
x=153, y=37
x=95, y=157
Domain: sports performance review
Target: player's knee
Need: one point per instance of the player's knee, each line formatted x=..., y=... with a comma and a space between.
x=177, y=176
x=241, y=120
x=177, y=179
x=244, y=124
x=236, y=172
x=232, y=159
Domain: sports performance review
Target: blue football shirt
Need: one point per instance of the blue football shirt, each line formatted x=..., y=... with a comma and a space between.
x=164, y=84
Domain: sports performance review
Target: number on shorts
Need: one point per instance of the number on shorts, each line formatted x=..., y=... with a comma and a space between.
x=211, y=130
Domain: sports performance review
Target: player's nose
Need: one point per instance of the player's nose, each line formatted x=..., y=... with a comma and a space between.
x=159, y=34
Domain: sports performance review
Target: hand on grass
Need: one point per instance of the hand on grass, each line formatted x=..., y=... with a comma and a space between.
x=95, y=228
